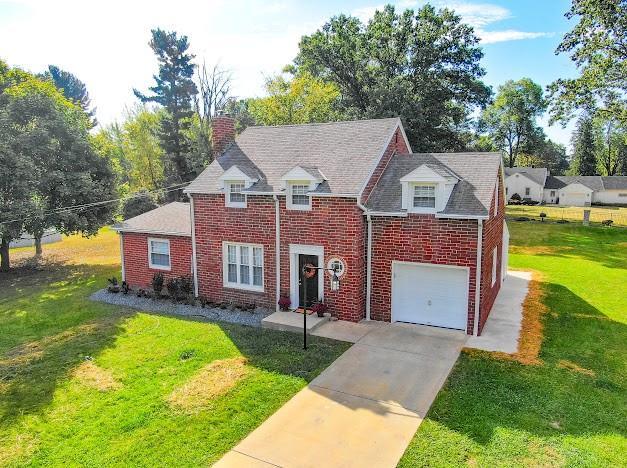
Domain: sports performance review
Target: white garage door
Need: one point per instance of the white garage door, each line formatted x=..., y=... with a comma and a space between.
x=430, y=295
x=574, y=199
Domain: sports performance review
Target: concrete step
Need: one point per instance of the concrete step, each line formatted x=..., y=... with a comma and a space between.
x=292, y=321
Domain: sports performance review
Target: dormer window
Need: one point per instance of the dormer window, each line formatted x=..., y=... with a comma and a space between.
x=298, y=198
x=426, y=189
x=234, y=182
x=424, y=196
x=234, y=196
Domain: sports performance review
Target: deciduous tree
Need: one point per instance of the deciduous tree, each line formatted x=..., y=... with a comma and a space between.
x=598, y=47
x=420, y=65
x=511, y=119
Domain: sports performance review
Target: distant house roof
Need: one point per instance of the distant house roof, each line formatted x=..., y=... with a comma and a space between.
x=471, y=196
x=614, y=182
x=592, y=182
x=536, y=174
x=345, y=153
x=172, y=219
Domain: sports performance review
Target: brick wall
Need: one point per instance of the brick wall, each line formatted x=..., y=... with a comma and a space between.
x=136, y=269
x=336, y=224
x=422, y=239
x=492, y=238
x=396, y=145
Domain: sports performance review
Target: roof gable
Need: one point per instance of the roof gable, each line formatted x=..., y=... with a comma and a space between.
x=471, y=196
x=344, y=152
x=537, y=175
x=429, y=173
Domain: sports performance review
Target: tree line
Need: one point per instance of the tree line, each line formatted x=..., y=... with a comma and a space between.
x=423, y=65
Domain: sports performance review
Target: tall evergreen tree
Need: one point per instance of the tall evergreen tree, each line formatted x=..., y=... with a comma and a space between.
x=73, y=89
x=174, y=89
x=584, y=159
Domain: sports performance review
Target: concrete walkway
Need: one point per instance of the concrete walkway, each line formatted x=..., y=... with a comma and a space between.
x=502, y=330
x=364, y=409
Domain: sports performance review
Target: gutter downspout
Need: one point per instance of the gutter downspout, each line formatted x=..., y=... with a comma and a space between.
x=277, y=250
x=368, y=258
x=475, y=331
x=122, y=255
x=194, y=265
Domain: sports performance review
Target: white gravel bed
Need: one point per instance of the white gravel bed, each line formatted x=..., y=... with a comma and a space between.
x=166, y=306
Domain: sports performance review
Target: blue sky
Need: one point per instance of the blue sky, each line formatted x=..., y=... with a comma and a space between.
x=105, y=43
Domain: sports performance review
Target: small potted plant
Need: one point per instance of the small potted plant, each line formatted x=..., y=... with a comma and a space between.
x=319, y=308
x=285, y=303
x=114, y=287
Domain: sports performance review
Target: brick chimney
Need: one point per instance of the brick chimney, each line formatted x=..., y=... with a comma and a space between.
x=222, y=132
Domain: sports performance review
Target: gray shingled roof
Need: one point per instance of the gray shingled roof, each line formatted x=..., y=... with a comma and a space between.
x=537, y=174
x=614, y=182
x=345, y=152
x=173, y=218
x=557, y=182
x=471, y=196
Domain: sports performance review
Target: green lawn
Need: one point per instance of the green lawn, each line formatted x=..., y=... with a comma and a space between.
x=598, y=214
x=571, y=410
x=59, y=408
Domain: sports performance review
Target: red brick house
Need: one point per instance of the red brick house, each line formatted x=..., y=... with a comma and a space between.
x=417, y=238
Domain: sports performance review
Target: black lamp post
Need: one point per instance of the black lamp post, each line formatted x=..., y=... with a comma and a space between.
x=306, y=273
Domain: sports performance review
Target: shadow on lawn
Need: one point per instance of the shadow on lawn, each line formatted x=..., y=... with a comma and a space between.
x=547, y=400
x=51, y=327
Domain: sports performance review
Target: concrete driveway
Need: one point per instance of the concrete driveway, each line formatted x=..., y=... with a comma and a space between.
x=363, y=409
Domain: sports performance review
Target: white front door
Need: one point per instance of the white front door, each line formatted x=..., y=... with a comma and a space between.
x=430, y=294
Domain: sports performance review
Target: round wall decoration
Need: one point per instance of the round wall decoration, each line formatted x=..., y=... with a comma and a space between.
x=337, y=263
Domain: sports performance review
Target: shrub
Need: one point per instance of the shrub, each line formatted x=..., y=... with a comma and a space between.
x=607, y=222
x=186, y=285
x=515, y=197
x=157, y=283
x=542, y=216
x=139, y=204
x=173, y=286
x=125, y=287
x=284, y=303
x=522, y=218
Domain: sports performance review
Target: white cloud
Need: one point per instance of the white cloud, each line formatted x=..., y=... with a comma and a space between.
x=491, y=37
x=477, y=15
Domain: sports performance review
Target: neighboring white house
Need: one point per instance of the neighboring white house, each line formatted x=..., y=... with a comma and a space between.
x=537, y=184
x=586, y=190
x=527, y=182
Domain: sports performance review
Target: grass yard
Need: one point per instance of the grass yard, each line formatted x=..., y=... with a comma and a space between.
x=569, y=410
x=618, y=214
x=89, y=384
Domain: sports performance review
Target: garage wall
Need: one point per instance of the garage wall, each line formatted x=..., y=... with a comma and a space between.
x=610, y=197
x=492, y=238
x=423, y=239
x=136, y=269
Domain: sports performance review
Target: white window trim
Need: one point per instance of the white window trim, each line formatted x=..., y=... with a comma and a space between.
x=423, y=209
x=152, y=265
x=227, y=194
x=225, y=266
x=496, y=198
x=290, y=205
x=494, y=261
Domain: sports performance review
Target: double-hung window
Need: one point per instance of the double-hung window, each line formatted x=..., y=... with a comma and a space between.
x=159, y=254
x=527, y=191
x=235, y=197
x=424, y=196
x=243, y=266
x=298, y=198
